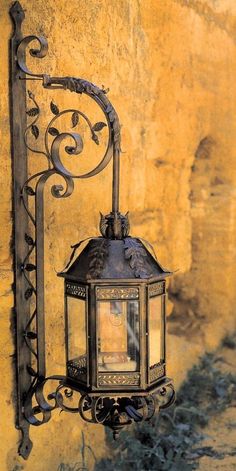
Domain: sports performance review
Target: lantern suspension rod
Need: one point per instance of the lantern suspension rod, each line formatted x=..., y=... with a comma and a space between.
x=116, y=181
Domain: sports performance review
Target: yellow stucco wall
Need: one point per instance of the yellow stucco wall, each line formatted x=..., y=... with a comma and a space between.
x=171, y=68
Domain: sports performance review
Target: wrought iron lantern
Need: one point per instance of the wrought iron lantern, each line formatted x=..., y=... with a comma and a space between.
x=115, y=334
x=114, y=290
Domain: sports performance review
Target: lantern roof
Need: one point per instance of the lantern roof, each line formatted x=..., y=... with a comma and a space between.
x=103, y=258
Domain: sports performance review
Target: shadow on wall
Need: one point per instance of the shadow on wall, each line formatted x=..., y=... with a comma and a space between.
x=205, y=294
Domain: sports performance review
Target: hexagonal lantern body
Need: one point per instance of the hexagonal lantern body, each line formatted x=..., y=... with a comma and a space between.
x=115, y=319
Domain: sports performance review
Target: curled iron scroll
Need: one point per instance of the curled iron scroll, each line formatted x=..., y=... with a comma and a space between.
x=43, y=406
x=39, y=53
x=80, y=86
x=77, y=149
x=57, y=191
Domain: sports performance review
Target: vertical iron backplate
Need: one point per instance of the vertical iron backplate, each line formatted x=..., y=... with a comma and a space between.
x=20, y=222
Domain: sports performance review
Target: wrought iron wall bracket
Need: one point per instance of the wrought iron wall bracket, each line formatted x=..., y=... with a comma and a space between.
x=28, y=223
x=28, y=205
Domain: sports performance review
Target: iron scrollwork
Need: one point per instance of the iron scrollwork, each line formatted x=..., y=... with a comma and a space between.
x=117, y=412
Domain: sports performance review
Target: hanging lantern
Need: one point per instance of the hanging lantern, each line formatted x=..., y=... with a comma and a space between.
x=115, y=328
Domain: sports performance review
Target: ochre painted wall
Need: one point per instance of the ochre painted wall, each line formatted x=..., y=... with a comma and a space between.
x=171, y=69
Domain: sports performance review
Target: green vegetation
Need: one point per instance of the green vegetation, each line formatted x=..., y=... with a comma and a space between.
x=229, y=341
x=75, y=467
x=172, y=440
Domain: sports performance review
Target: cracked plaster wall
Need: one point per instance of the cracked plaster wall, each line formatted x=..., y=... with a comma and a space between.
x=171, y=68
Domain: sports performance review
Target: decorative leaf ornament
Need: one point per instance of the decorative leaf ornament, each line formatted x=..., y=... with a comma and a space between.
x=28, y=293
x=35, y=131
x=29, y=240
x=53, y=132
x=29, y=191
x=135, y=253
x=54, y=108
x=95, y=138
x=32, y=112
x=97, y=258
x=75, y=119
x=98, y=126
x=31, y=95
x=30, y=267
x=31, y=335
x=31, y=371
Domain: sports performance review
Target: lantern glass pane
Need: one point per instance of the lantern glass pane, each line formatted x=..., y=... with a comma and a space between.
x=118, y=335
x=155, y=326
x=76, y=337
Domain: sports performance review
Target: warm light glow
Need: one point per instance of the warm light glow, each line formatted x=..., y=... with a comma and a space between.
x=76, y=328
x=118, y=336
x=155, y=322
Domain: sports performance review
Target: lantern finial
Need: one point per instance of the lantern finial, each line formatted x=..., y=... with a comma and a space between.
x=114, y=225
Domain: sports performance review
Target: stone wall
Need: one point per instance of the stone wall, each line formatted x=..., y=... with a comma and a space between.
x=171, y=67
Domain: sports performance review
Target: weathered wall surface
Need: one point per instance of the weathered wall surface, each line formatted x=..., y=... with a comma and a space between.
x=171, y=68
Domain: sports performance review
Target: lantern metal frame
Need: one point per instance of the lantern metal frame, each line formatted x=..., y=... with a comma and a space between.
x=148, y=377
x=28, y=238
